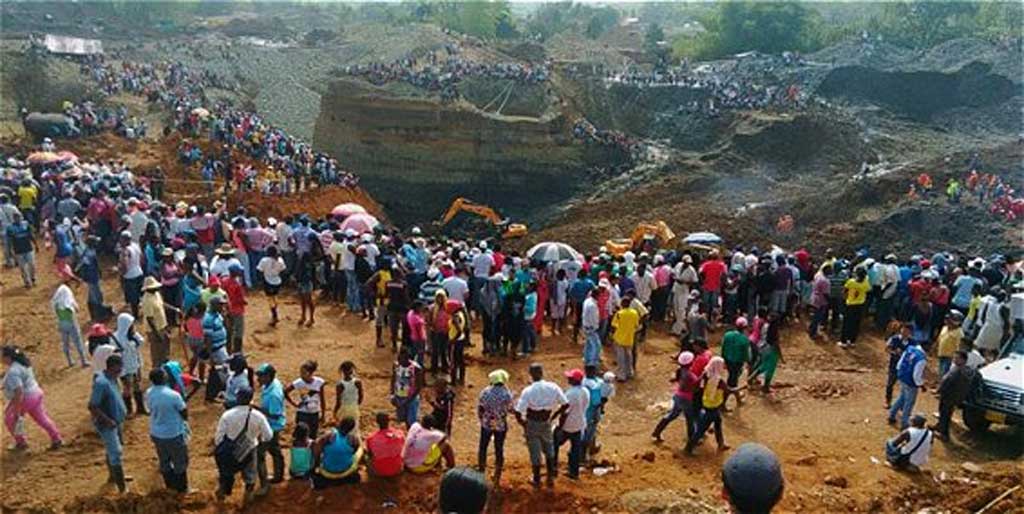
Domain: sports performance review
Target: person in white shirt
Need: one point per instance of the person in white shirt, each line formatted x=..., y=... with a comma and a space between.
x=541, y=402
x=683, y=277
x=372, y=251
x=573, y=422
x=912, y=447
x=888, y=282
x=272, y=266
x=643, y=281
x=130, y=266
x=590, y=320
x=456, y=287
x=248, y=428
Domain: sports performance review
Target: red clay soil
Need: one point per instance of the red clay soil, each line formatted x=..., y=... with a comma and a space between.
x=825, y=421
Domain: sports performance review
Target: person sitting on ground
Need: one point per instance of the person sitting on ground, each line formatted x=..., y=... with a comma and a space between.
x=911, y=448
x=425, y=445
x=337, y=455
x=300, y=455
x=463, y=491
x=752, y=480
x=384, y=448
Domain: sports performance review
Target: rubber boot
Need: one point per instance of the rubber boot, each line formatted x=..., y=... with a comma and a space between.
x=127, y=404
x=169, y=480
x=536, y=476
x=273, y=316
x=140, y=404
x=110, y=474
x=497, y=475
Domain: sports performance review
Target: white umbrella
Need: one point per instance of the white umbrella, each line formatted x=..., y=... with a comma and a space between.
x=553, y=252
x=703, y=238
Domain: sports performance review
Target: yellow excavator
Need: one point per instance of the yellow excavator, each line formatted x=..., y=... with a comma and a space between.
x=507, y=230
x=645, y=237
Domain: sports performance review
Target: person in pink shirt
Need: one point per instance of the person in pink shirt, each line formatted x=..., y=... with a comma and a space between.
x=417, y=331
x=663, y=281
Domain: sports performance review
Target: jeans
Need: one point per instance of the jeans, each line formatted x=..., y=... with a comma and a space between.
x=817, y=320
x=226, y=479
x=591, y=348
x=95, y=299
x=685, y=407
x=710, y=299
x=408, y=411
x=777, y=302
x=27, y=264
x=944, y=364
x=438, y=351
x=708, y=418
x=8, y=251
x=499, y=447
x=172, y=455
x=575, y=450
x=352, y=291
x=890, y=382
x=905, y=403
x=593, y=423
x=883, y=312
x=111, y=437
x=529, y=337
x=946, y=410
x=31, y=404
x=272, y=447
x=624, y=357
x=70, y=333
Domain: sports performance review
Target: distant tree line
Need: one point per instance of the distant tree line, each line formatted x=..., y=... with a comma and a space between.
x=773, y=27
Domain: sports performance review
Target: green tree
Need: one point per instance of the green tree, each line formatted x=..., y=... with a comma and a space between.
x=601, y=21
x=735, y=27
x=921, y=23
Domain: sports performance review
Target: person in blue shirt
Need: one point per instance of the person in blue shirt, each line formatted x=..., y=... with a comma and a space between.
x=88, y=269
x=168, y=429
x=529, y=313
x=108, y=413
x=579, y=290
x=215, y=332
x=273, y=407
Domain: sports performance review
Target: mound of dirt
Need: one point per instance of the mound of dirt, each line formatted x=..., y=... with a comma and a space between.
x=828, y=389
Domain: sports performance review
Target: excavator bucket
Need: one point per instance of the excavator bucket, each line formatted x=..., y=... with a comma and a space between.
x=514, y=230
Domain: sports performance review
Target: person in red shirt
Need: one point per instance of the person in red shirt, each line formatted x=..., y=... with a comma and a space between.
x=384, y=448
x=711, y=272
x=232, y=285
x=417, y=331
x=703, y=356
x=939, y=297
x=919, y=288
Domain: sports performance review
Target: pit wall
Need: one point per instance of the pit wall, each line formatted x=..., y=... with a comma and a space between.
x=416, y=155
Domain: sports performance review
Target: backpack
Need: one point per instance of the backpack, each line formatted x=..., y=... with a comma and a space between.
x=230, y=454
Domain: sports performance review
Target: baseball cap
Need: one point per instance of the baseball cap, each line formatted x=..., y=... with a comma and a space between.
x=575, y=374
x=265, y=369
x=752, y=476
x=741, y=322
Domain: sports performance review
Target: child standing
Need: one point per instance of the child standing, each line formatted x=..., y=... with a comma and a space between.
x=311, y=395
x=444, y=405
x=349, y=394
x=194, y=340
x=300, y=455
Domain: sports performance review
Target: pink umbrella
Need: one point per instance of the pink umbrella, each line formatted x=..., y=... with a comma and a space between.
x=344, y=210
x=65, y=155
x=361, y=223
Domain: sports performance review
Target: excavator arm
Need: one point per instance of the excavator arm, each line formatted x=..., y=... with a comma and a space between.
x=461, y=204
x=508, y=230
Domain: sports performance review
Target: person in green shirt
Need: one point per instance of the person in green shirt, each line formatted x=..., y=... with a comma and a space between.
x=736, y=353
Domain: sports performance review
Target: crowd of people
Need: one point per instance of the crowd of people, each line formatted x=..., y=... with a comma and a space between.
x=753, y=85
x=442, y=73
x=189, y=269
x=990, y=190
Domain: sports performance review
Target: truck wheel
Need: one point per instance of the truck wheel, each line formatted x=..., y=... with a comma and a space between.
x=975, y=419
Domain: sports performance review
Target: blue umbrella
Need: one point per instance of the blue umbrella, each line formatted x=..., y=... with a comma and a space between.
x=703, y=238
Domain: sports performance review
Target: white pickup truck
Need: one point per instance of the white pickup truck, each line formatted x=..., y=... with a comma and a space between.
x=999, y=395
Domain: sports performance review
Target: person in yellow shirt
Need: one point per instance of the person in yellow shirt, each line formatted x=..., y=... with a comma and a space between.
x=856, y=290
x=949, y=341
x=625, y=323
x=28, y=196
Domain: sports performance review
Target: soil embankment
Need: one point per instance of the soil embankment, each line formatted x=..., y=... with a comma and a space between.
x=415, y=154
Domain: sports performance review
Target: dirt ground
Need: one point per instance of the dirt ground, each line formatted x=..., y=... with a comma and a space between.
x=825, y=421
